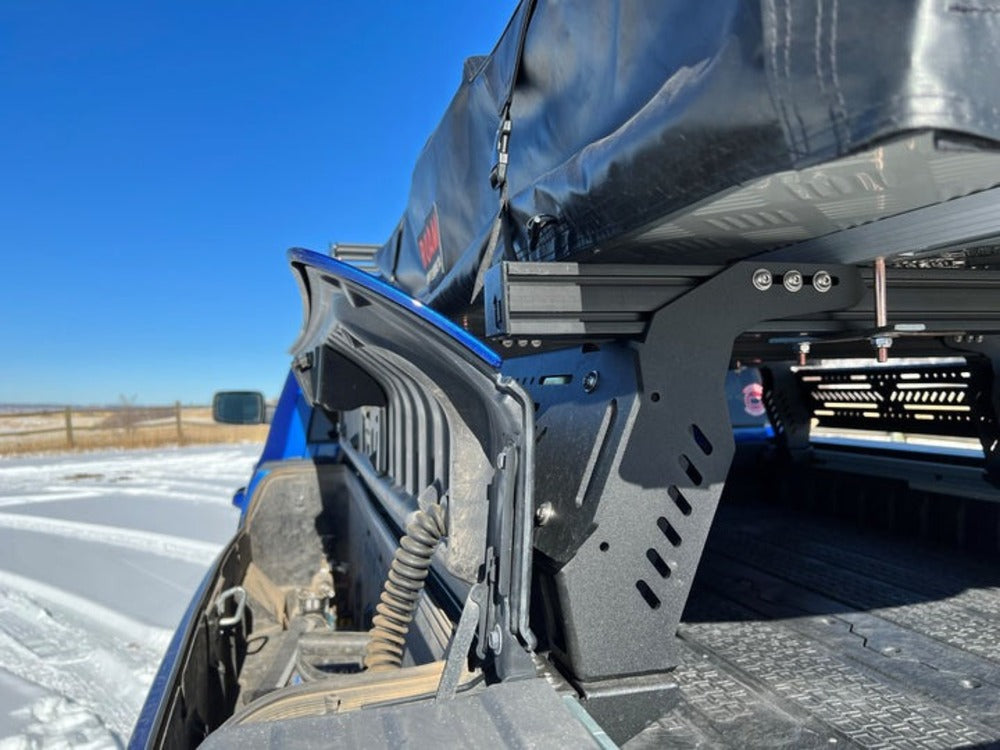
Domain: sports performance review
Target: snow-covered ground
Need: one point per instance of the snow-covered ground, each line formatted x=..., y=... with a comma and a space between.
x=99, y=556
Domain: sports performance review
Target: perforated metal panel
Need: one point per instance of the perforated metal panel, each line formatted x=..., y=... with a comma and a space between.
x=952, y=400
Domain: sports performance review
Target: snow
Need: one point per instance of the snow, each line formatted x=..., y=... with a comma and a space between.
x=100, y=554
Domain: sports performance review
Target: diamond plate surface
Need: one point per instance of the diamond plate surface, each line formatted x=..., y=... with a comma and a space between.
x=944, y=619
x=802, y=673
x=716, y=709
x=925, y=573
x=801, y=633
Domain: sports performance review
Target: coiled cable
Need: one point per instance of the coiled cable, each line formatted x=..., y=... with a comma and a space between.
x=401, y=591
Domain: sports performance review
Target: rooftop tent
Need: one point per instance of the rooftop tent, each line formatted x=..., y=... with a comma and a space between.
x=673, y=131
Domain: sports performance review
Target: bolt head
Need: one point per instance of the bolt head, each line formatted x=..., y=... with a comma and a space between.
x=304, y=361
x=495, y=640
x=882, y=342
x=762, y=279
x=792, y=280
x=544, y=513
x=590, y=381
x=822, y=281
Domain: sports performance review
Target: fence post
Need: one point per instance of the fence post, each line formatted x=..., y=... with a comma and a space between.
x=180, y=431
x=69, y=426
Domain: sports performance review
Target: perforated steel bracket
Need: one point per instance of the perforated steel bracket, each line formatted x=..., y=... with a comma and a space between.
x=788, y=413
x=627, y=554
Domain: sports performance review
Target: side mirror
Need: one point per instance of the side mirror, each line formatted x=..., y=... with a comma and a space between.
x=239, y=407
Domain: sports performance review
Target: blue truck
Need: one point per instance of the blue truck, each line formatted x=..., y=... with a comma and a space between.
x=667, y=416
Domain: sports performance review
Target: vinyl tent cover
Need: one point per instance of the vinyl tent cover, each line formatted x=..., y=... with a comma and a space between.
x=675, y=131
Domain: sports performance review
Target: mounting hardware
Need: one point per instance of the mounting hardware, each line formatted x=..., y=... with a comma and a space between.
x=590, y=381
x=239, y=595
x=648, y=462
x=762, y=279
x=495, y=640
x=304, y=361
x=822, y=281
x=544, y=514
x=792, y=280
x=803, y=353
x=881, y=343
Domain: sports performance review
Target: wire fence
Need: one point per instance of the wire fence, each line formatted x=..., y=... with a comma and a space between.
x=129, y=426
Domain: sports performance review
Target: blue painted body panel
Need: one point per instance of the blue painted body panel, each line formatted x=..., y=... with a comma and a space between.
x=385, y=290
x=287, y=438
x=157, y=691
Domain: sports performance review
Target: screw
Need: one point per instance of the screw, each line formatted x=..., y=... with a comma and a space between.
x=792, y=281
x=544, y=514
x=304, y=361
x=762, y=279
x=822, y=281
x=495, y=640
x=882, y=344
x=803, y=353
x=590, y=381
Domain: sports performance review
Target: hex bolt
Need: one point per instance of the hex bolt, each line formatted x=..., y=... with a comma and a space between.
x=495, y=640
x=804, y=349
x=544, y=514
x=882, y=344
x=762, y=279
x=822, y=281
x=792, y=280
x=590, y=381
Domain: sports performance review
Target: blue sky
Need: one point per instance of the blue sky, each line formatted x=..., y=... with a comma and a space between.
x=158, y=158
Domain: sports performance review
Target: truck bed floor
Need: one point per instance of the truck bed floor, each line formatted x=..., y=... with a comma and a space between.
x=804, y=633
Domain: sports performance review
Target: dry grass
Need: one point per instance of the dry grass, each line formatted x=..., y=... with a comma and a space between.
x=112, y=428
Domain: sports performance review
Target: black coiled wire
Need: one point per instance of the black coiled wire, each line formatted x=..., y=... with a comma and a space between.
x=402, y=588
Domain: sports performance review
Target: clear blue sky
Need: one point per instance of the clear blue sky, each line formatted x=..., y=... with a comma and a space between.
x=158, y=158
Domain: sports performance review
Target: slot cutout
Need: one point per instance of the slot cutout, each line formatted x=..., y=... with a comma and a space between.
x=701, y=439
x=679, y=500
x=690, y=469
x=658, y=562
x=647, y=593
x=669, y=531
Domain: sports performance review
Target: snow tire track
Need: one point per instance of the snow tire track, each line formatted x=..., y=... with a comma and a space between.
x=104, y=672
x=164, y=545
x=92, y=661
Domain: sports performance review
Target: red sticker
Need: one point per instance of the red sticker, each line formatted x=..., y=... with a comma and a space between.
x=429, y=244
x=753, y=400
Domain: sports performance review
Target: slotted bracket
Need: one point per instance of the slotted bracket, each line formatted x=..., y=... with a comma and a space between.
x=788, y=413
x=623, y=544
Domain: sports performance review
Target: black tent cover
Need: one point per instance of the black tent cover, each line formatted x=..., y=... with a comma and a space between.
x=622, y=112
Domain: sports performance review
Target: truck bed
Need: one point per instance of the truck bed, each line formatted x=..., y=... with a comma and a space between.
x=802, y=631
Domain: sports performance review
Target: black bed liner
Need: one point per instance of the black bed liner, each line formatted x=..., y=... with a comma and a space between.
x=801, y=632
